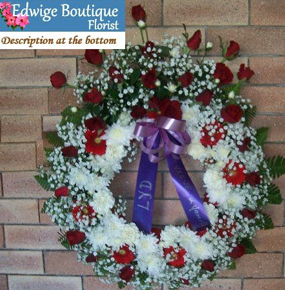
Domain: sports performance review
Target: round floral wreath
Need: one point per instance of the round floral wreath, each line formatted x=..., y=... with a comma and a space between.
x=143, y=83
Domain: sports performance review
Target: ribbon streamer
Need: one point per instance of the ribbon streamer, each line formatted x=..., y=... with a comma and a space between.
x=165, y=139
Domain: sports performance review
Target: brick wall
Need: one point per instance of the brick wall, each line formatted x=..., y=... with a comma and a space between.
x=30, y=257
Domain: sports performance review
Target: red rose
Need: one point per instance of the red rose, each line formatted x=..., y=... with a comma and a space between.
x=94, y=56
x=250, y=214
x=253, y=178
x=149, y=79
x=245, y=73
x=223, y=73
x=95, y=124
x=205, y=97
x=138, y=13
x=231, y=113
x=234, y=173
x=127, y=273
x=208, y=137
x=91, y=259
x=224, y=229
x=75, y=237
x=69, y=151
x=176, y=257
x=95, y=144
x=170, y=109
x=245, y=145
x=208, y=265
x=147, y=49
x=80, y=211
x=195, y=41
x=154, y=103
x=138, y=112
x=115, y=73
x=94, y=96
x=232, y=51
x=186, y=79
x=58, y=79
x=61, y=191
x=124, y=255
x=237, y=252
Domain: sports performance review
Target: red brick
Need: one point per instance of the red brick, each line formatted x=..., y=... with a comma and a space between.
x=124, y=184
x=49, y=123
x=32, y=237
x=1, y=237
x=3, y=282
x=268, y=70
x=16, y=53
x=1, y=185
x=253, y=40
x=22, y=184
x=59, y=100
x=91, y=283
x=34, y=72
x=65, y=263
x=17, y=157
x=41, y=159
x=26, y=128
x=203, y=12
x=23, y=101
x=264, y=284
x=270, y=240
x=267, y=12
x=257, y=266
x=21, y=262
x=152, y=8
x=44, y=283
x=267, y=99
x=276, y=125
x=276, y=212
x=18, y=211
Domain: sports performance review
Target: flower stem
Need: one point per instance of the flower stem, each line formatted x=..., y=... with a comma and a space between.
x=146, y=33
x=142, y=35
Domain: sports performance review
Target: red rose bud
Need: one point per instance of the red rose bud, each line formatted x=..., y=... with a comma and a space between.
x=245, y=145
x=223, y=74
x=94, y=96
x=194, y=42
x=127, y=273
x=232, y=51
x=58, y=79
x=186, y=79
x=253, y=178
x=124, y=255
x=75, y=237
x=138, y=13
x=61, y=191
x=95, y=124
x=231, y=113
x=237, y=252
x=184, y=281
x=247, y=213
x=138, y=112
x=149, y=79
x=208, y=265
x=234, y=173
x=245, y=73
x=93, y=56
x=170, y=109
x=175, y=257
x=91, y=259
x=205, y=97
x=147, y=49
x=154, y=103
x=69, y=151
x=115, y=73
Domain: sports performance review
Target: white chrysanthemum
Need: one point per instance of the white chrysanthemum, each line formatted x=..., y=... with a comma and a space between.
x=190, y=114
x=200, y=250
x=197, y=150
x=103, y=202
x=222, y=152
x=212, y=212
x=152, y=264
x=146, y=245
x=236, y=201
x=98, y=238
x=117, y=134
x=125, y=119
x=170, y=236
x=115, y=151
x=187, y=237
x=96, y=183
x=130, y=233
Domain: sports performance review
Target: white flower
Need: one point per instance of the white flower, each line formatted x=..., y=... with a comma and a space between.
x=152, y=264
x=98, y=238
x=146, y=245
x=171, y=87
x=174, y=52
x=209, y=45
x=117, y=134
x=157, y=83
x=212, y=213
x=141, y=24
x=231, y=94
x=103, y=202
x=74, y=109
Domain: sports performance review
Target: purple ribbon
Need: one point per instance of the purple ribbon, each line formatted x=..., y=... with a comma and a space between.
x=166, y=138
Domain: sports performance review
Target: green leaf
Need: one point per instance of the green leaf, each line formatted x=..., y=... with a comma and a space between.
x=134, y=76
x=268, y=223
x=73, y=117
x=42, y=181
x=121, y=285
x=276, y=166
x=250, y=248
x=274, y=194
x=211, y=278
x=233, y=265
x=164, y=51
x=48, y=151
x=249, y=115
x=261, y=135
x=54, y=139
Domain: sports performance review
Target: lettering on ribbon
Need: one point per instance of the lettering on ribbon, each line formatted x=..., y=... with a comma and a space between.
x=145, y=196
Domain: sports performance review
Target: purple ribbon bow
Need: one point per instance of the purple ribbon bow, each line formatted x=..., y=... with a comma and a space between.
x=166, y=138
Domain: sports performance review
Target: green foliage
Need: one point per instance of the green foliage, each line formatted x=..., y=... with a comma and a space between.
x=233, y=265
x=134, y=76
x=249, y=115
x=44, y=207
x=268, y=223
x=274, y=194
x=63, y=240
x=48, y=151
x=43, y=182
x=276, y=166
x=121, y=285
x=250, y=248
x=54, y=139
x=164, y=51
x=73, y=117
x=261, y=135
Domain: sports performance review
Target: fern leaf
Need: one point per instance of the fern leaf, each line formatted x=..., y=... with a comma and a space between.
x=261, y=135
x=276, y=166
x=268, y=223
x=274, y=194
x=54, y=139
x=250, y=248
x=249, y=115
x=42, y=181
